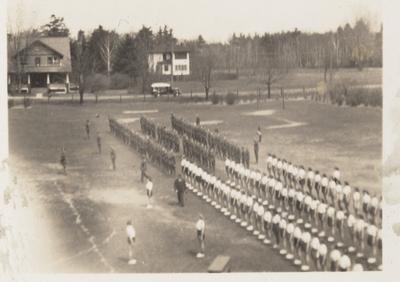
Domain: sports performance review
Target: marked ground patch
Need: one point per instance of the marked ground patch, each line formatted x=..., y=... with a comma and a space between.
x=127, y=120
x=287, y=124
x=260, y=113
x=211, y=122
x=141, y=112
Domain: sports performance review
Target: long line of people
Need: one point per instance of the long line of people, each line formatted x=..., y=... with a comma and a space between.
x=307, y=231
x=214, y=141
x=199, y=154
x=168, y=138
x=156, y=153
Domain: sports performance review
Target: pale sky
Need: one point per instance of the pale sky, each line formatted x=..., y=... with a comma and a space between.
x=216, y=20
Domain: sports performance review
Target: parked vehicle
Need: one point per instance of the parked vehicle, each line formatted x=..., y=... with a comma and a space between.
x=57, y=88
x=162, y=88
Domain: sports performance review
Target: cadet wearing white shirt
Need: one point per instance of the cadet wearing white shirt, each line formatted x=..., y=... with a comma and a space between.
x=322, y=254
x=334, y=259
x=336, y=175
x=310, y=180
x=324, y=186
x=314, y=250
x=344, y=263
x=275, y=229
x=346, y=195
x=356, y=201
x=317, y=183
x=267, y=224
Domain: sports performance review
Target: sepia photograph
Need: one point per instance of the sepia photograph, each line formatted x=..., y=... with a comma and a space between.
x=192, y=137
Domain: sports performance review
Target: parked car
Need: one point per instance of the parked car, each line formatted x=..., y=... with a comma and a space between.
x=162, y=88
x=57, y=88
x=73, y=87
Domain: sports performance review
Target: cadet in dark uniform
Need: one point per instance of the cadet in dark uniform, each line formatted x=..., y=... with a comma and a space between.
x=256, y=150
x=99, y=143
x=63, y=160
x=87, y=127
x=113, y=157
x=143, y=169
x=180, y=188
x=259, y=134
x=197, y=120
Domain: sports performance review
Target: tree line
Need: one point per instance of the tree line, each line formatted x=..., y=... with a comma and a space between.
x=267, y=57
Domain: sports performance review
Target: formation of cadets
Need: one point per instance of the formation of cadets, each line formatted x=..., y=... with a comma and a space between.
x=214, y=141
x=199, y=154
x=166, y=137
x=286, y=208
x=156, y=153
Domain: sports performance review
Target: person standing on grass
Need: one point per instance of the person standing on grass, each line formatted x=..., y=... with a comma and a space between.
x=63, y=160
x=259, y=134
x=180, y=189
x=256, y=148
x=197, y=120
x=131, y=234
x=87, y=128
x=143, y=169
x=200, y=228
x=113, y=157
x=98, y=143
x=149, y=192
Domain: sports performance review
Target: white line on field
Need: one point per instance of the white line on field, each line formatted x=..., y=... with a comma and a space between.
x=85, y=229
x=141, y=112
x=127, y=120
x=287, y=124
x=211, y=122
x=259, y=113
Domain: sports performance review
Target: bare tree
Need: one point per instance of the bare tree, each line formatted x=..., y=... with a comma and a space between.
x=18, y=39
x=206, y=64
x=107, y=46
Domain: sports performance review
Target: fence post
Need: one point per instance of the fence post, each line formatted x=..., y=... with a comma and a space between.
x=191, y=94
x=283, y=98
x=72, y=97
x=304, y=93
x=96, y=98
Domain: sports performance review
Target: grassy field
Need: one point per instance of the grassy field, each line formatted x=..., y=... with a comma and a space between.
x=325, y=137
x=308, y=78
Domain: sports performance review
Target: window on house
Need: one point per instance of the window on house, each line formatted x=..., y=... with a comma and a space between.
x=166, y=67
x=50, y=60
x=180, y=55
x=37, y=61
x=24, y=60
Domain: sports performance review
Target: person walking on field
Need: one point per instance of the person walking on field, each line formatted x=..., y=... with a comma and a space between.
x=259, y=134
x=63, y=160
x=180, y=189
x=99, y=143
x=256, y=150
x=113, y=157
x=87, y=127
x=143, y=169
x=149, y=192
x=200, y=229
x=131, y=234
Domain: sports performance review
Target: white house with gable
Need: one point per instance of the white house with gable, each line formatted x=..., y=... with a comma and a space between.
x=164, y=61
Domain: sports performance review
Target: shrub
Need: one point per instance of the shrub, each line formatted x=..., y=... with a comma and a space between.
x=374, y=97
x=27, y=102
x=97, y=83
x=10, y=103
x=225, y=76
x=230, y=98
x=215, y=99
x=354, y=97
x=119, y=81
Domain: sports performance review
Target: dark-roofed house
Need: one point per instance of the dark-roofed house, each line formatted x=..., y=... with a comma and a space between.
x=42, y=63
x=164, y=61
